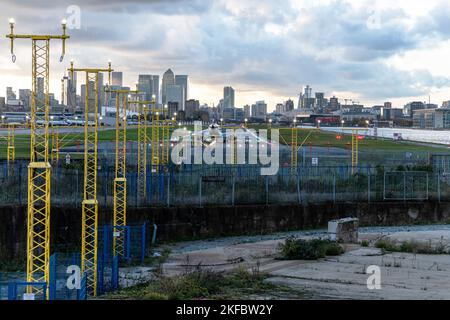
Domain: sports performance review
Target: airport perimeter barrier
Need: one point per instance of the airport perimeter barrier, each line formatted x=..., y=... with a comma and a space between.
x=135, y=239
x=228, y=185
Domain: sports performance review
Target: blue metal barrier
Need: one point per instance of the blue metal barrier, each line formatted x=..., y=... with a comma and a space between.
x=14, y=293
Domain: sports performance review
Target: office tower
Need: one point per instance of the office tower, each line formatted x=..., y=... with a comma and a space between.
x=247, y=113
x=167, y=80
x=228, y=97
x=117, y=79
x=320, y=101
x=182, y=80
x=289, y=105
x=175, y=93
x=334, y=104
x=149, y=84
x=25, y=98
x=10, y=95
x=259, y=110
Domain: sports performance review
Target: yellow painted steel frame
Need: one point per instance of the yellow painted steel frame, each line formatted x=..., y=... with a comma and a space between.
x=120, y=181
x=355, y=146
x=294, y=149
x=155, y=140
x=11, y=151
x=142, y=149
x=89, y=221
x=38, y=208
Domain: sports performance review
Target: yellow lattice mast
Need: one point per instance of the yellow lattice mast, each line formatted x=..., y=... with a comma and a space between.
x=89, y=221
x=155, y=139
x=120, y=181
x=143, y=108
x=165, y=143
x=38, y=234
x=294, y=147
x=355, y=146
x=11, y=150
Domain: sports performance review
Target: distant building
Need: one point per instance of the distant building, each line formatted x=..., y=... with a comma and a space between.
x=175, y=93
x=117, y=78
x=167, y=80
x=172, y=108
x=25, y=97
x=334, y=104
x=149, y=84
x=183, y=80
x=247, y=111
x=259, y=110
x=432, y=118
x=192, y=107
x=228, y=114
x=228, y=97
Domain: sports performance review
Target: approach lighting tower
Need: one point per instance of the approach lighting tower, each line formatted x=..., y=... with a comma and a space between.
x=38, y=234
x=89, y=221
x=123, y=97
x=294, y=147
x=11, y=151
x=155, y=139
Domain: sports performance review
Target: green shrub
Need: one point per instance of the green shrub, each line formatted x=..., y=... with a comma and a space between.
x=297, y=249
x=364, y=243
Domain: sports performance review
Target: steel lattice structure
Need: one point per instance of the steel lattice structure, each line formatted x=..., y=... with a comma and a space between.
x=355, y=146
x=120, y=180
x=89, y=227
x=11, y=150
x=38, y=233
x=294, y=149
x=155, y=140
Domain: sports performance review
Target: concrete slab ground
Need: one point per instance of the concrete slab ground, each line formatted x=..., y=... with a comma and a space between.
x=403, y=275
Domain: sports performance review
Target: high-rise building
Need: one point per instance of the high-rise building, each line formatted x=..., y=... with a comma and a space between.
x=228, y=97
x=334, y=104
x=175, y=93
x=168, y=79
x=259, y=110
x=289, y=105
x=10, y=94
x=117, y=78
x=320, y=101
x=149, y=84
x=183, y=80
x=247, y=111
x=305, y=100
x=25, y=97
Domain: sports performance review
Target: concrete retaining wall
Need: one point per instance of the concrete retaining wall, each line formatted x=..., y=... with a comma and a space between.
x=176, y=224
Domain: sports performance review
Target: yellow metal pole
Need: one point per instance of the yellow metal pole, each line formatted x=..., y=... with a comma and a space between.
x=11, y=153
x=89, y=221
x=155, y=139
x=294, y=148
x=38, y=232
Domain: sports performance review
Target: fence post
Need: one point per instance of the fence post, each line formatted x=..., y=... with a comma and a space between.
x=12, y=291
x=168, y=190
x=115, y=273
x=232, y=190
x=143, y=238
x=299, y=191
x=334, y=188
x=82, y=293
x=368, y=187
x=439, y=186
x=200, y=190
x=267, y=189
x=52, y=280
x=404, y=185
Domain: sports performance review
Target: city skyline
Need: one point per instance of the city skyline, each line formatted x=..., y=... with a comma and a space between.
x=392, y=52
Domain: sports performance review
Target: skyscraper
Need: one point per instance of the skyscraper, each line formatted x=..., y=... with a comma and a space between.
x=228, y=97
x=175, y=93
x=182, y=80
x=149, y=84
x=117, y=79
x=168, y=79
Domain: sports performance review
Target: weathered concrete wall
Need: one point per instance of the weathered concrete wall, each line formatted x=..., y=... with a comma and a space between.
x=188, y=223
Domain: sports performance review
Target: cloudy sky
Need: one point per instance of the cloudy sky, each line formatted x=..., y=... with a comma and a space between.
x=369, y=51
